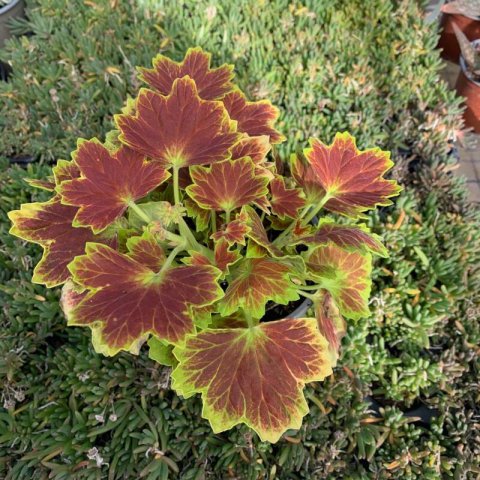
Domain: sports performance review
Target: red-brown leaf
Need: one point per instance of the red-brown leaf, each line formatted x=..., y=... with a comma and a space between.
x=254, y=118
x=108, y=182
x=212, y=83
x=180, y=129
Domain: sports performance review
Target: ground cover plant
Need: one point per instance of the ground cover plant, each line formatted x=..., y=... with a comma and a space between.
x=193, y=267
x=297, y=55
x=71, y=413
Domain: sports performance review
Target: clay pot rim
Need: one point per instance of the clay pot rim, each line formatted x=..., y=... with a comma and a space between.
x=471, y=17
x=463, y=65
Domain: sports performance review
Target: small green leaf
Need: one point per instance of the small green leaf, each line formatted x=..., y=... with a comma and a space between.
x=423, y=258
x=163, y=212
x=161, y=352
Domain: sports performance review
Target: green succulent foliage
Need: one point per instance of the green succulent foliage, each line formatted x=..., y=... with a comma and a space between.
x=73, y=74
x=324, y=63
x=323, y=76
x=70, y=413
x=369, y=67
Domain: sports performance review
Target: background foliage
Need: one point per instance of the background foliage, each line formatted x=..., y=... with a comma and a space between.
x=365, y=66
x=362, y=66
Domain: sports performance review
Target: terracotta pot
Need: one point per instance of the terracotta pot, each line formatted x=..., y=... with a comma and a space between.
x=14, y=9
x=470, y=89
x=448, y=41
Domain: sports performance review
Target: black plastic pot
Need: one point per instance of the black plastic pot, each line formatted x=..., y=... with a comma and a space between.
x=5, y=71
x=424, y=414
x=301, y=310
x=14, y=9
x=22, y=160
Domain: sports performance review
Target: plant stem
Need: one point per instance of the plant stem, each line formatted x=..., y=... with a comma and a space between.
x=311, y=287
x=185, y=232
x=248, y=317
x=139, y=211
x=176, y=188
x=311, y=296
x=186, y=237
x=171, y=257
x=317, y=209
x=173, y=237
x=192, y=242
x=303, y=212
x=183, y=228
x=290, y=227
x=313, y=212
x=227, y=216
x=213, y=218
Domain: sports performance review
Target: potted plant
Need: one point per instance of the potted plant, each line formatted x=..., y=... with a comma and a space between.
x=9, y=9
x=468, y=82
x=466, y=15
x=178, y=231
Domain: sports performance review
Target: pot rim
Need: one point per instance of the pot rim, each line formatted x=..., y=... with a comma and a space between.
x=9, y=6
x=471, y=17
x=301, y=310
x=463, y=65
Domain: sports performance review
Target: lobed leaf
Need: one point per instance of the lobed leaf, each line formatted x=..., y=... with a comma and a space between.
x=212, y=83
x=285, y=201
x=256, y=148
x=345, y=275
x=128, y=299
x=180, y=129
x=254, y=118
x=108, y=183
x=257, y=232
x=223, y=257
x=161, y=352
x=253, y=375
x=47, y=184
x=49, y=224
x=65, y=170
x=70, y=297
x=235, y=231
x=262, y=202
x=349, y=237
x=200, y=215
x=145, y=250
x=352, y=180
x=306, y=177
x=255, y=281
x=227, y=185
x=111, y=137
x=330, y=322
x=236, y=320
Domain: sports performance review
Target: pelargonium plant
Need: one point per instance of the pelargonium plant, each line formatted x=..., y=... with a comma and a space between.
x=179, y=231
